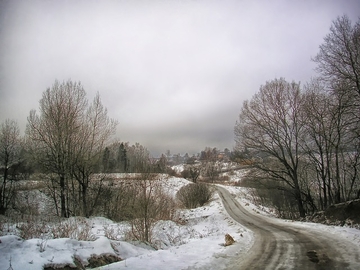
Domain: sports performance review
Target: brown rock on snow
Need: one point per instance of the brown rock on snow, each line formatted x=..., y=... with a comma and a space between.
x=229, y=240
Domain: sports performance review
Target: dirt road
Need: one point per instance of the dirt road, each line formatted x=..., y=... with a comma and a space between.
x=286, y=246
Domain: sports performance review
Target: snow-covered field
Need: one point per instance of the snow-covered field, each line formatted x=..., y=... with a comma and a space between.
x=195, y=241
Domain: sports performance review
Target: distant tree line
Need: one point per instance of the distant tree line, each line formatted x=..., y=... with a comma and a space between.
x=305, y=140
x=122, y=157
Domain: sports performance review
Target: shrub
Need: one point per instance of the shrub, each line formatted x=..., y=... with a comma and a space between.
x=172, y=172
x=113, y=232
x=150, y=204
x=194, y=195
x=116, y=201
x=76, y=228
x=32, y=229
x=185, y=174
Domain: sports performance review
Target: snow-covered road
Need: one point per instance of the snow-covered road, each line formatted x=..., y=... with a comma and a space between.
x=288, y=245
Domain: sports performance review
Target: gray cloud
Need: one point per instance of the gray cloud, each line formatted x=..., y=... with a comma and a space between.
x=173, y=73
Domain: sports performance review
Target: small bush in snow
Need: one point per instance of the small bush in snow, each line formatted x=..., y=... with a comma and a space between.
x=114, y=232
x=194, y=195
x=78, y=229
x=32, y=229
x=150, y=204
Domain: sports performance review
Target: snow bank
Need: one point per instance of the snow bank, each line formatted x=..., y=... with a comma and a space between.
x=36, y=253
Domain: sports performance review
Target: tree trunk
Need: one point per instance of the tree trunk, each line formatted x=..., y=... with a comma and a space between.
x=297, y=194
x=62, y=196
x=301, y=209
x=337, y=176
x=325, y=195
x=3, y=204
x=84, y=200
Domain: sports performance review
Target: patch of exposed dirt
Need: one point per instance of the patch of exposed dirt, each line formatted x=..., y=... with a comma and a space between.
x=101, y=260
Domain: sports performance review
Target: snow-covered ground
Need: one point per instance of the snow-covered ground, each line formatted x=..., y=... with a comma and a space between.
x=195, y=241
x=199, y=243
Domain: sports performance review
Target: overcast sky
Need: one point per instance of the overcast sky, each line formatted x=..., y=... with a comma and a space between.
x=173, y=73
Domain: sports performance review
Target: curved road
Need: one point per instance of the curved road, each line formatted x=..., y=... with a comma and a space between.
x=279, y=246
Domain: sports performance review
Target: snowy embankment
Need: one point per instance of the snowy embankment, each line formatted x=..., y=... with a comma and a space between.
x=194, y=239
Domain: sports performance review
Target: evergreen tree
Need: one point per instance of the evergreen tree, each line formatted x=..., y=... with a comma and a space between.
x=122, y=158
x=105, y=160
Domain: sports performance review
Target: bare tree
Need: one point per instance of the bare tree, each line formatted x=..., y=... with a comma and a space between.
x=68, y=137
x=54, y=132
x=194, y=171
x=150, y=204
x=270, y=124
x=339, y=55
x=338, y=64
x=138, y=158
x=330, y=142
x=96, y=130
x=10, y=147
x=317, y=141
x=210, y=164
